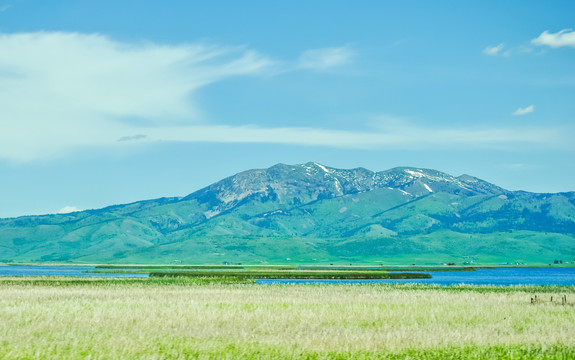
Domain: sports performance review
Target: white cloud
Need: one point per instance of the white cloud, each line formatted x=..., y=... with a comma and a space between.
x=59, y=91
x=493, y=50
x=64, y=91
x=133, y=137
x=68, y=209
x=396, y=136
x=325, y=58
x=524, y=111
x=565, y=37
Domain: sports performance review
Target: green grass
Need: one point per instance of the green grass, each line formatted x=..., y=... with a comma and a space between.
x=276, y=272
x=292, y=274
x=181, y=318
x=183, y=267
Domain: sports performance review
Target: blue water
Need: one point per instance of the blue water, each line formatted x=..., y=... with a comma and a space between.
x=512, y=276
x=516, y=276
x=405, y=268
x=59, y=271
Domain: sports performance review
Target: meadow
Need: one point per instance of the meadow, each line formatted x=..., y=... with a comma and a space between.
x=189, y=318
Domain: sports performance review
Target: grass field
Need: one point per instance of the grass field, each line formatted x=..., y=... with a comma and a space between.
x=181, y=318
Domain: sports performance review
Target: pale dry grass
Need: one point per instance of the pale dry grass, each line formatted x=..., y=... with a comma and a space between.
x=169, y=321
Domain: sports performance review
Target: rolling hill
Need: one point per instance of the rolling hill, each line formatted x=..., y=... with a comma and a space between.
x=311, y=213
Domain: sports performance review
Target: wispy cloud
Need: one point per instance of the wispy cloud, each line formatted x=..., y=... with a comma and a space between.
x=5, y=7
x=524, y=111
x=494, y=50
x=396, y=136
x=61, y=91
x=565, y=37
x=325, y=58
x=64, y=90
x=133, y=137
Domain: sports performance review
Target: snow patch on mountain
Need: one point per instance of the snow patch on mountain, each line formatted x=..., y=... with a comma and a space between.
x=338, y=185
x=415, y=173
x=323, y=168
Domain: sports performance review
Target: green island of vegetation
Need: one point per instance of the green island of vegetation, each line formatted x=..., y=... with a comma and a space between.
x=294, y=274
x=231, y=317
x=269, y=272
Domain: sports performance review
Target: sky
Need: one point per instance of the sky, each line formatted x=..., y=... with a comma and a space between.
x=109, y=102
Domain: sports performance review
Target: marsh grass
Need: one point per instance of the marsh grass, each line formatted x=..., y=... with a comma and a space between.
x=180, y=318
x=292, y=274
x=271, y=273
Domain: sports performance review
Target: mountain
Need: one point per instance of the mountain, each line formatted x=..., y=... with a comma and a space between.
x=311, y=213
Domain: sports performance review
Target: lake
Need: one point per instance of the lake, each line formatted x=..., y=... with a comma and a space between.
x=501, y=276
x=59, y=271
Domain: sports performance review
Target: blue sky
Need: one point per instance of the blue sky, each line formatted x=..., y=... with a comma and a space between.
x=107, y=102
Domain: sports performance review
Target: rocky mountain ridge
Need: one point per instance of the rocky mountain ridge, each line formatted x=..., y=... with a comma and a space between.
x=307, y=210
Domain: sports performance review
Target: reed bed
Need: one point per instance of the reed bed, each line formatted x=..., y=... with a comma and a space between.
x=179, y=319
x=292, y=274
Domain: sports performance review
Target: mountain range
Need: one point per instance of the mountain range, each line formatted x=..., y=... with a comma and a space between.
x=311, y=213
